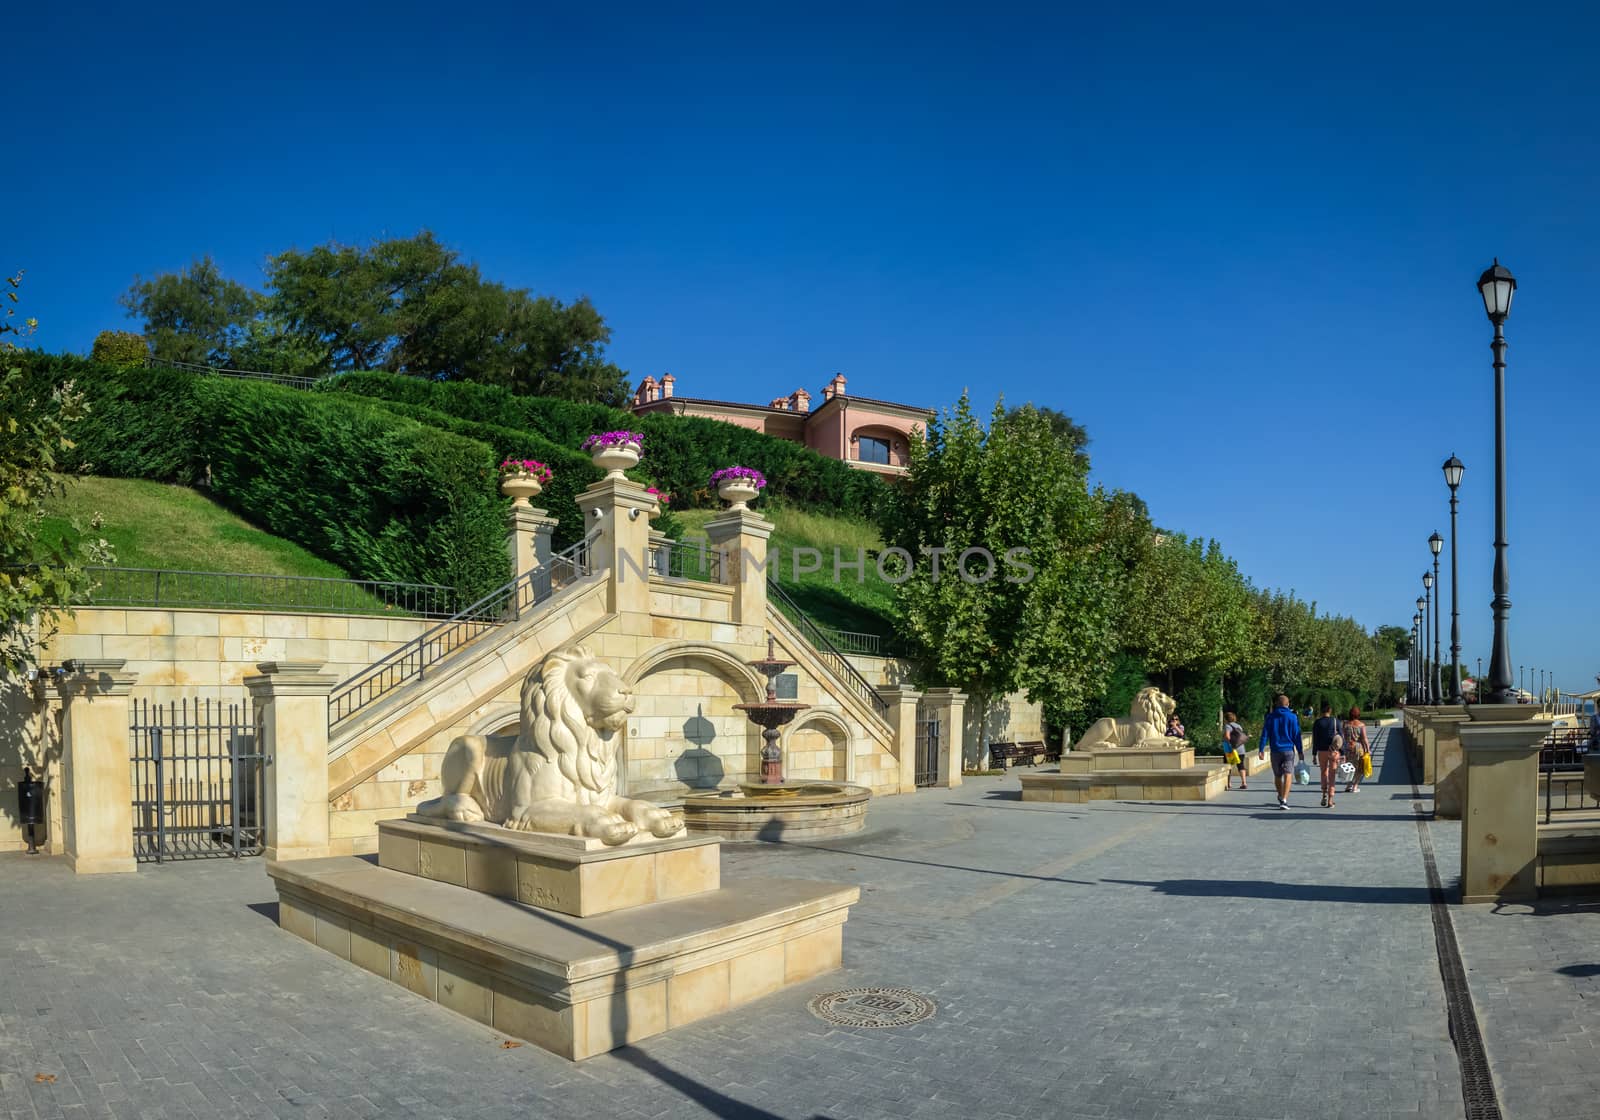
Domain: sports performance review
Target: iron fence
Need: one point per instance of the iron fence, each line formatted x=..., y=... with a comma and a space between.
x=168, y=587
x=831, y=655
x=290, y=381
x=853, y=641
x=197, y=780
x=686, y=560
x=927, y=768
x=413, y=660
x=1561, y=773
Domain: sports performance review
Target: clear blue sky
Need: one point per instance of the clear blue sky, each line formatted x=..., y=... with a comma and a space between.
x=1238, y=243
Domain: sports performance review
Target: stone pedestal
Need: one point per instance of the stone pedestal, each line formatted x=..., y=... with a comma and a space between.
x=1500, y=815
x=948, y=706
x=902, y=716
x=97, y=787
x=740, y=536
x=292, y=699
x=1448, y=777
x=620, y=509
x=659, y=944
x=1160, y=773
x=528, y=533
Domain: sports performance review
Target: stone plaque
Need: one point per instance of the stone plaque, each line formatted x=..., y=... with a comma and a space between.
x=788, y=686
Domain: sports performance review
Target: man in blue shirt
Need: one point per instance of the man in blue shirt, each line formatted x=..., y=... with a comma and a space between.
x=1281, y=732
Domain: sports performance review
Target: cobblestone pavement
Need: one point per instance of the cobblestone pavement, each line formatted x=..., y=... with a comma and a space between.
x=1534, y=972
x=1119, y=960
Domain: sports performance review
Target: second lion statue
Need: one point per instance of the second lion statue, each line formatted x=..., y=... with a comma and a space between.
x=1145, y=725
x=559, y=773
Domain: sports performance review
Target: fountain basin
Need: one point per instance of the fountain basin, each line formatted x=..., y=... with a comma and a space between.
x=789, y=810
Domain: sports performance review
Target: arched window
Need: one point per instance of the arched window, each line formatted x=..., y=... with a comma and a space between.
x=873, y=449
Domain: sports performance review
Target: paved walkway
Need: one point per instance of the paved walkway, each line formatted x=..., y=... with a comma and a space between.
x=1118, y=960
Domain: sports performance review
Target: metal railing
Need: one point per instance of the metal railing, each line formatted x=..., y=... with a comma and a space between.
x=286, y=379
x=1561, y=773
x=853, y=641
x=170, y=587
x=686, y=560
x=831, y=655
x=412, y=661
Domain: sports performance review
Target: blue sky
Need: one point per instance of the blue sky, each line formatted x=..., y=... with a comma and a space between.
x=1237, y=242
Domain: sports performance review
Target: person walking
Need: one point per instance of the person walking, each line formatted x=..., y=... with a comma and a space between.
x=1233, y=740
x=1326, y=741
x=1357, y=746
x=1281, y=732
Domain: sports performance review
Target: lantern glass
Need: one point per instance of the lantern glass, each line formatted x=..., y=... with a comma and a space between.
x=1453, y=469
x=1427, y=580
x=1435, y=543
x=1497, y=286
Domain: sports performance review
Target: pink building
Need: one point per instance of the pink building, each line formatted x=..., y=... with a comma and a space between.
x=868, y=434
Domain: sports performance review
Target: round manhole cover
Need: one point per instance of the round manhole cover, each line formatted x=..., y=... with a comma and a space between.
x=872, y=1007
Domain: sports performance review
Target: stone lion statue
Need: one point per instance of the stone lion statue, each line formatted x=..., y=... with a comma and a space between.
x=559, y=774
x=1144, y=725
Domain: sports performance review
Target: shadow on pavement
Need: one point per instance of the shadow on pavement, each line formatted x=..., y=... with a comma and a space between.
x=1288, y=892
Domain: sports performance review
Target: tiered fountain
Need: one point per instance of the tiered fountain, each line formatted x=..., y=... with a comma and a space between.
x=776, y=808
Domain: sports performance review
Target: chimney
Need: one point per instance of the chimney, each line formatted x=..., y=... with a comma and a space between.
x=646, y=392
x=666, y=384
x=801, y=401
x=838, y=385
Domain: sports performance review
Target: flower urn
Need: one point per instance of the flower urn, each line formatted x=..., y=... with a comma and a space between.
x=519, y=488
x=616, y=458
x=737, y=492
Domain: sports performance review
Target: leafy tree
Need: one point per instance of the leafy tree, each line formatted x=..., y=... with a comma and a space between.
x=196, y=315
x=37, y=577
x=1047, y=629
x=120, y=348
x=1073, y=435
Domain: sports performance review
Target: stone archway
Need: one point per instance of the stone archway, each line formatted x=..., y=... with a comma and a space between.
x=818, y=746
x=685, y=732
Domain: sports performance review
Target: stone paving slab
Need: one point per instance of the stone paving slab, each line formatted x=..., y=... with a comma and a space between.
x=1113, y=960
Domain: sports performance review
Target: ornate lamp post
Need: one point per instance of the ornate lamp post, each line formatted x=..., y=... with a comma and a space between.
x=1422, y=632
x=1435, y=544
x=1429, y=616
x=1453, y=469
x=1497, y=286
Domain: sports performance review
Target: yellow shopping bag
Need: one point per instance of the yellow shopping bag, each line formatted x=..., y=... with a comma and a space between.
x=1366, y=765
x=1232, y=756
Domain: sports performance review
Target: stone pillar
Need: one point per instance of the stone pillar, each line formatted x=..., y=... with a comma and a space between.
x=1500, y=810
x=292, y=699
x=96, y=776
x=620, y=508
x=1447, y=773
x=948, y=706
x=902, y=716
x=740, y=536
x=528, y=532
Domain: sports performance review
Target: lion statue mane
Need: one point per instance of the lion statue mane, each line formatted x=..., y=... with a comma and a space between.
x=1144, y=725
x=559, y=773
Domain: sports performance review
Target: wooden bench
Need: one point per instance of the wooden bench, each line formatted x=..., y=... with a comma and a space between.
x=1035, y=751
x=1002, y=755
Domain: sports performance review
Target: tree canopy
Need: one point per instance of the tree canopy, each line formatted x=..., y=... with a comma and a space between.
x=406, y=305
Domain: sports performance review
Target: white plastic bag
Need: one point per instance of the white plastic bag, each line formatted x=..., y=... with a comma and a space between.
x=1302, y=774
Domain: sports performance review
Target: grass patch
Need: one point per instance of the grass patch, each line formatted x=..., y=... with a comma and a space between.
x=864, y=605
x=173, y=528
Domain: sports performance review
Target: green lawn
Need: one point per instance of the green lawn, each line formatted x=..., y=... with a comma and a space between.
x=154, y=525
x=863, y=605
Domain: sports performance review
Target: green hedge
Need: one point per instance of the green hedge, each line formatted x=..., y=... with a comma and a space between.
x=381, y=495
x=680, y=452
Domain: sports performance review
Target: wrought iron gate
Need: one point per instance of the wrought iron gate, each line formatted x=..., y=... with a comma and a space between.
x=197, y=780
x=927, y=773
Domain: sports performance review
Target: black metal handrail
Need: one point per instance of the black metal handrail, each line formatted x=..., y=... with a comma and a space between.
x=831, y=655
x=177, y=588
x=288, y=380
x=686, y=560
x=413, y=660
x=854, y=641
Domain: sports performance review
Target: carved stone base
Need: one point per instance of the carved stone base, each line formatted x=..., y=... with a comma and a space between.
x=568, y=874
x=575, y=986
x=1131, y=774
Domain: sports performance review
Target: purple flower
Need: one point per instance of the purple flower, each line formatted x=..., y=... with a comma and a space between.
x=612, y=439
x=515, y=468
x=739, y=474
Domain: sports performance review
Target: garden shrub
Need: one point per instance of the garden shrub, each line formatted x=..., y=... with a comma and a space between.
x=1199, y=696
x=120, y=348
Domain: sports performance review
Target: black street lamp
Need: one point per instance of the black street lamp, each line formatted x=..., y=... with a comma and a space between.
x=1416, y=663
x=1497, y=286
x=1435, y=543
x=1453, y=469
x=1430, y=616
x=1422, y=609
